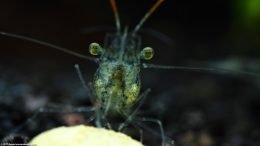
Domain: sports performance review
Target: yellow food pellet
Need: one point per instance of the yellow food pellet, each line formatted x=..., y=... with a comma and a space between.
x=82, y=135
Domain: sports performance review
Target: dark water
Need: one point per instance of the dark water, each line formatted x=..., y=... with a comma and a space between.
x=197, y=108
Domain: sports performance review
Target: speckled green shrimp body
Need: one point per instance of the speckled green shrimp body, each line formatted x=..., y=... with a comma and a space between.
x=117, y=82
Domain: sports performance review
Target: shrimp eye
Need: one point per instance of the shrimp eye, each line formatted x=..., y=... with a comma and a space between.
x=147, y=53
x=95, y=49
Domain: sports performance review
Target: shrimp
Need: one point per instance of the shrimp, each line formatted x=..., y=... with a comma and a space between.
x=116, y=87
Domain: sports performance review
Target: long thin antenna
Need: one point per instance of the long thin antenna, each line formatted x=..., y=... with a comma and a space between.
x=147, y=15
x=218, y=70
x=116, y=14
x=48, y=45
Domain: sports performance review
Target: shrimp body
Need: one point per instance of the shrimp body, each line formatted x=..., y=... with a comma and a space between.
x=117, y=81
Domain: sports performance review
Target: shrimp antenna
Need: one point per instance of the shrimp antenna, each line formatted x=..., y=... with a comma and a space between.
x=218, y=70
x=116, y=14
x=48, y=45
x=147, y=15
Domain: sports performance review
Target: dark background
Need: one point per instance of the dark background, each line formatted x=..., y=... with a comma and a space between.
x=196, y=107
